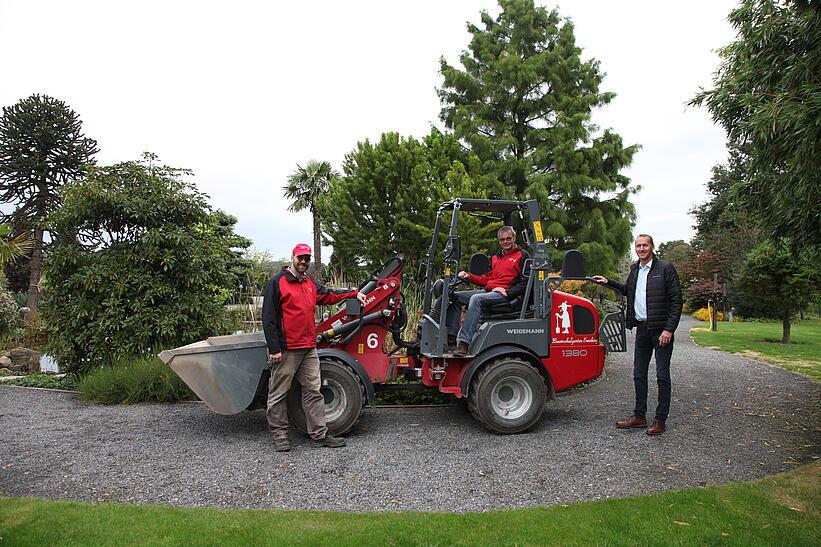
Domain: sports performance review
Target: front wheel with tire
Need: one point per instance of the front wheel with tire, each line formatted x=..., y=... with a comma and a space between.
x=344, y=398
x=507, y=395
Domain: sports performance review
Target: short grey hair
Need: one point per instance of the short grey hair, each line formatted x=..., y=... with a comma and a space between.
x=504, y=229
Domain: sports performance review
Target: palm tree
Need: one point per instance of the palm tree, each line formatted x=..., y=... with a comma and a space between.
x=12, y=248
x=304, y=185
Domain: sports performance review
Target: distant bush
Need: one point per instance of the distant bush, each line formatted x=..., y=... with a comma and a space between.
x=703, y=314
x=134, y=381
x=9, y=314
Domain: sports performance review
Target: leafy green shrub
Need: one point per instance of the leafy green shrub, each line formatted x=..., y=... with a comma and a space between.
x=9, y=313
x=149, y=264
x=45, y=381
x=135, y=380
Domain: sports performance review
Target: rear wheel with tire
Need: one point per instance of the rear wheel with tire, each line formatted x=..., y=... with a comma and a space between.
x=507, y=395
x=344, y=398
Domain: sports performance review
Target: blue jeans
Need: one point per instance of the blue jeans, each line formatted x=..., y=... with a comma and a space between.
x=476, y=301
x=647, y=342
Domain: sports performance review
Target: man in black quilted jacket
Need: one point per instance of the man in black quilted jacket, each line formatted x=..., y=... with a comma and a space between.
x=654, y=308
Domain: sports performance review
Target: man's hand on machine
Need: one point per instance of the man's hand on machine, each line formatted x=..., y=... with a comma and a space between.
x=362, y=297
x=600, y=279
x=463, y=275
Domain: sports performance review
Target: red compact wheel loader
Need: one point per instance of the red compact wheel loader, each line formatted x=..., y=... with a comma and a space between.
x=522, y=354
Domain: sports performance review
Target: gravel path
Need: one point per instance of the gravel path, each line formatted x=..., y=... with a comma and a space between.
x=732, y=419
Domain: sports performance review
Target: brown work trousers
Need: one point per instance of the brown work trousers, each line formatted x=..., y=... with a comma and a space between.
x=302, y=365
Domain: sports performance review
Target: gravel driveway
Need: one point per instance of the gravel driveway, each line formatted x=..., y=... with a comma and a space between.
x=732, y=419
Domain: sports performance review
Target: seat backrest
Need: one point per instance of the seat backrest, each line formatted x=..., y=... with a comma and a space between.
x=573, y=265
x=479, y=264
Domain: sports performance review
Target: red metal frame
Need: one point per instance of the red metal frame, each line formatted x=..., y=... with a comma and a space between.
x=574, y=358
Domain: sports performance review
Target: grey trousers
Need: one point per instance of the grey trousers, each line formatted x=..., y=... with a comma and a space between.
x=302, y=364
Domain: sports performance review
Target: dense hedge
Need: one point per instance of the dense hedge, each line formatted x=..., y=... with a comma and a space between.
x=141, y=262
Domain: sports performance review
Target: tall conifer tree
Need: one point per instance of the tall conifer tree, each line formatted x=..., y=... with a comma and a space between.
x=522, y=102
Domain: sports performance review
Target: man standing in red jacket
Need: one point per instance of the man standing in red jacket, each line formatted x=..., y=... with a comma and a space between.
x=501, y=285
x=288, y=309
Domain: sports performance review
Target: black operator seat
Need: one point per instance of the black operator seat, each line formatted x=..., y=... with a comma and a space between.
x=480, y=265
x=511, y=309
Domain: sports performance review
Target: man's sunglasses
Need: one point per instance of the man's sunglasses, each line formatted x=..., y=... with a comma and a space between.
x=505, y=239
x=304, y=258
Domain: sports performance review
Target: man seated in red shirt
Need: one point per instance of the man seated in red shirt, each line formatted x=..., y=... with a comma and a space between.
x=288, y=308
x=504, y=283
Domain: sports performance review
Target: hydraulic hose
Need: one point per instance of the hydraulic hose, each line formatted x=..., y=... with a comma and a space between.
x=349, y=328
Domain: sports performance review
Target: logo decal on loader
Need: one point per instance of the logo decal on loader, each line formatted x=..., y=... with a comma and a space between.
x=525, y=331
x=563, y=323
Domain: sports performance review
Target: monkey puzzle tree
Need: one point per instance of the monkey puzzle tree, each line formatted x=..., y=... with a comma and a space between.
x=41, y=148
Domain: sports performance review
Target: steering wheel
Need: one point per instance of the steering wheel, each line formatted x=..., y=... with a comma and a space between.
x=456, y=282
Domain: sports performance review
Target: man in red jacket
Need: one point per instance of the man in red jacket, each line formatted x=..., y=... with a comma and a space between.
x=501, y=285
x=288, y=309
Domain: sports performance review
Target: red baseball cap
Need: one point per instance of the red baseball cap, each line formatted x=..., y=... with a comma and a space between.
x=301, y=249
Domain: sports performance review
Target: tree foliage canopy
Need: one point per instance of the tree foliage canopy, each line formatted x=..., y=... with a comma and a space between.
x=726, y=232
x=41, y=148
x=387, y=201
x=774, y=282
x=767, y=95
x=148, y=265
x=304, y=186
x=523, y=104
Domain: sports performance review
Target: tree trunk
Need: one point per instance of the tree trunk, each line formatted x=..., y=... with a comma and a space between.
x=785, y=337
x=317, y=248
x=33, y=299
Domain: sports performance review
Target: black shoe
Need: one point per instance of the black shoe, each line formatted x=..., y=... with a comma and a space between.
x=461, y=350
x=451, y=343
x=329, y=441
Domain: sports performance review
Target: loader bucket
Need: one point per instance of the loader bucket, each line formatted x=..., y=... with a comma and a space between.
x=223, y=371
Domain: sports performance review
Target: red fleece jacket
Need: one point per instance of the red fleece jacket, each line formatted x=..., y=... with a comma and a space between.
x=288, y=308
x=505, y=270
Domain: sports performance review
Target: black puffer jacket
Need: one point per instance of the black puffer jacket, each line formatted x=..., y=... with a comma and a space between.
x=663, y=295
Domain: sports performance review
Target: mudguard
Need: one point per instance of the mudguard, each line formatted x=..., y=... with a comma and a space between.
x=355, y=365
x=497, y=351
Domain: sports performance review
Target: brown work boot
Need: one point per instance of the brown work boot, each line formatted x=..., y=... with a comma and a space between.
x=282, y=445
x=328, y=441
x=631, y=422
x=657, y=428
x=461, y=350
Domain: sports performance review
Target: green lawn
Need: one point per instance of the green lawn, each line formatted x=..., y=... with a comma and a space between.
x=779, y=510
x=763, y=341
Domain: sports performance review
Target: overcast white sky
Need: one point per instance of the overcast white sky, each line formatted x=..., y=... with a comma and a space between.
x=240, y=92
